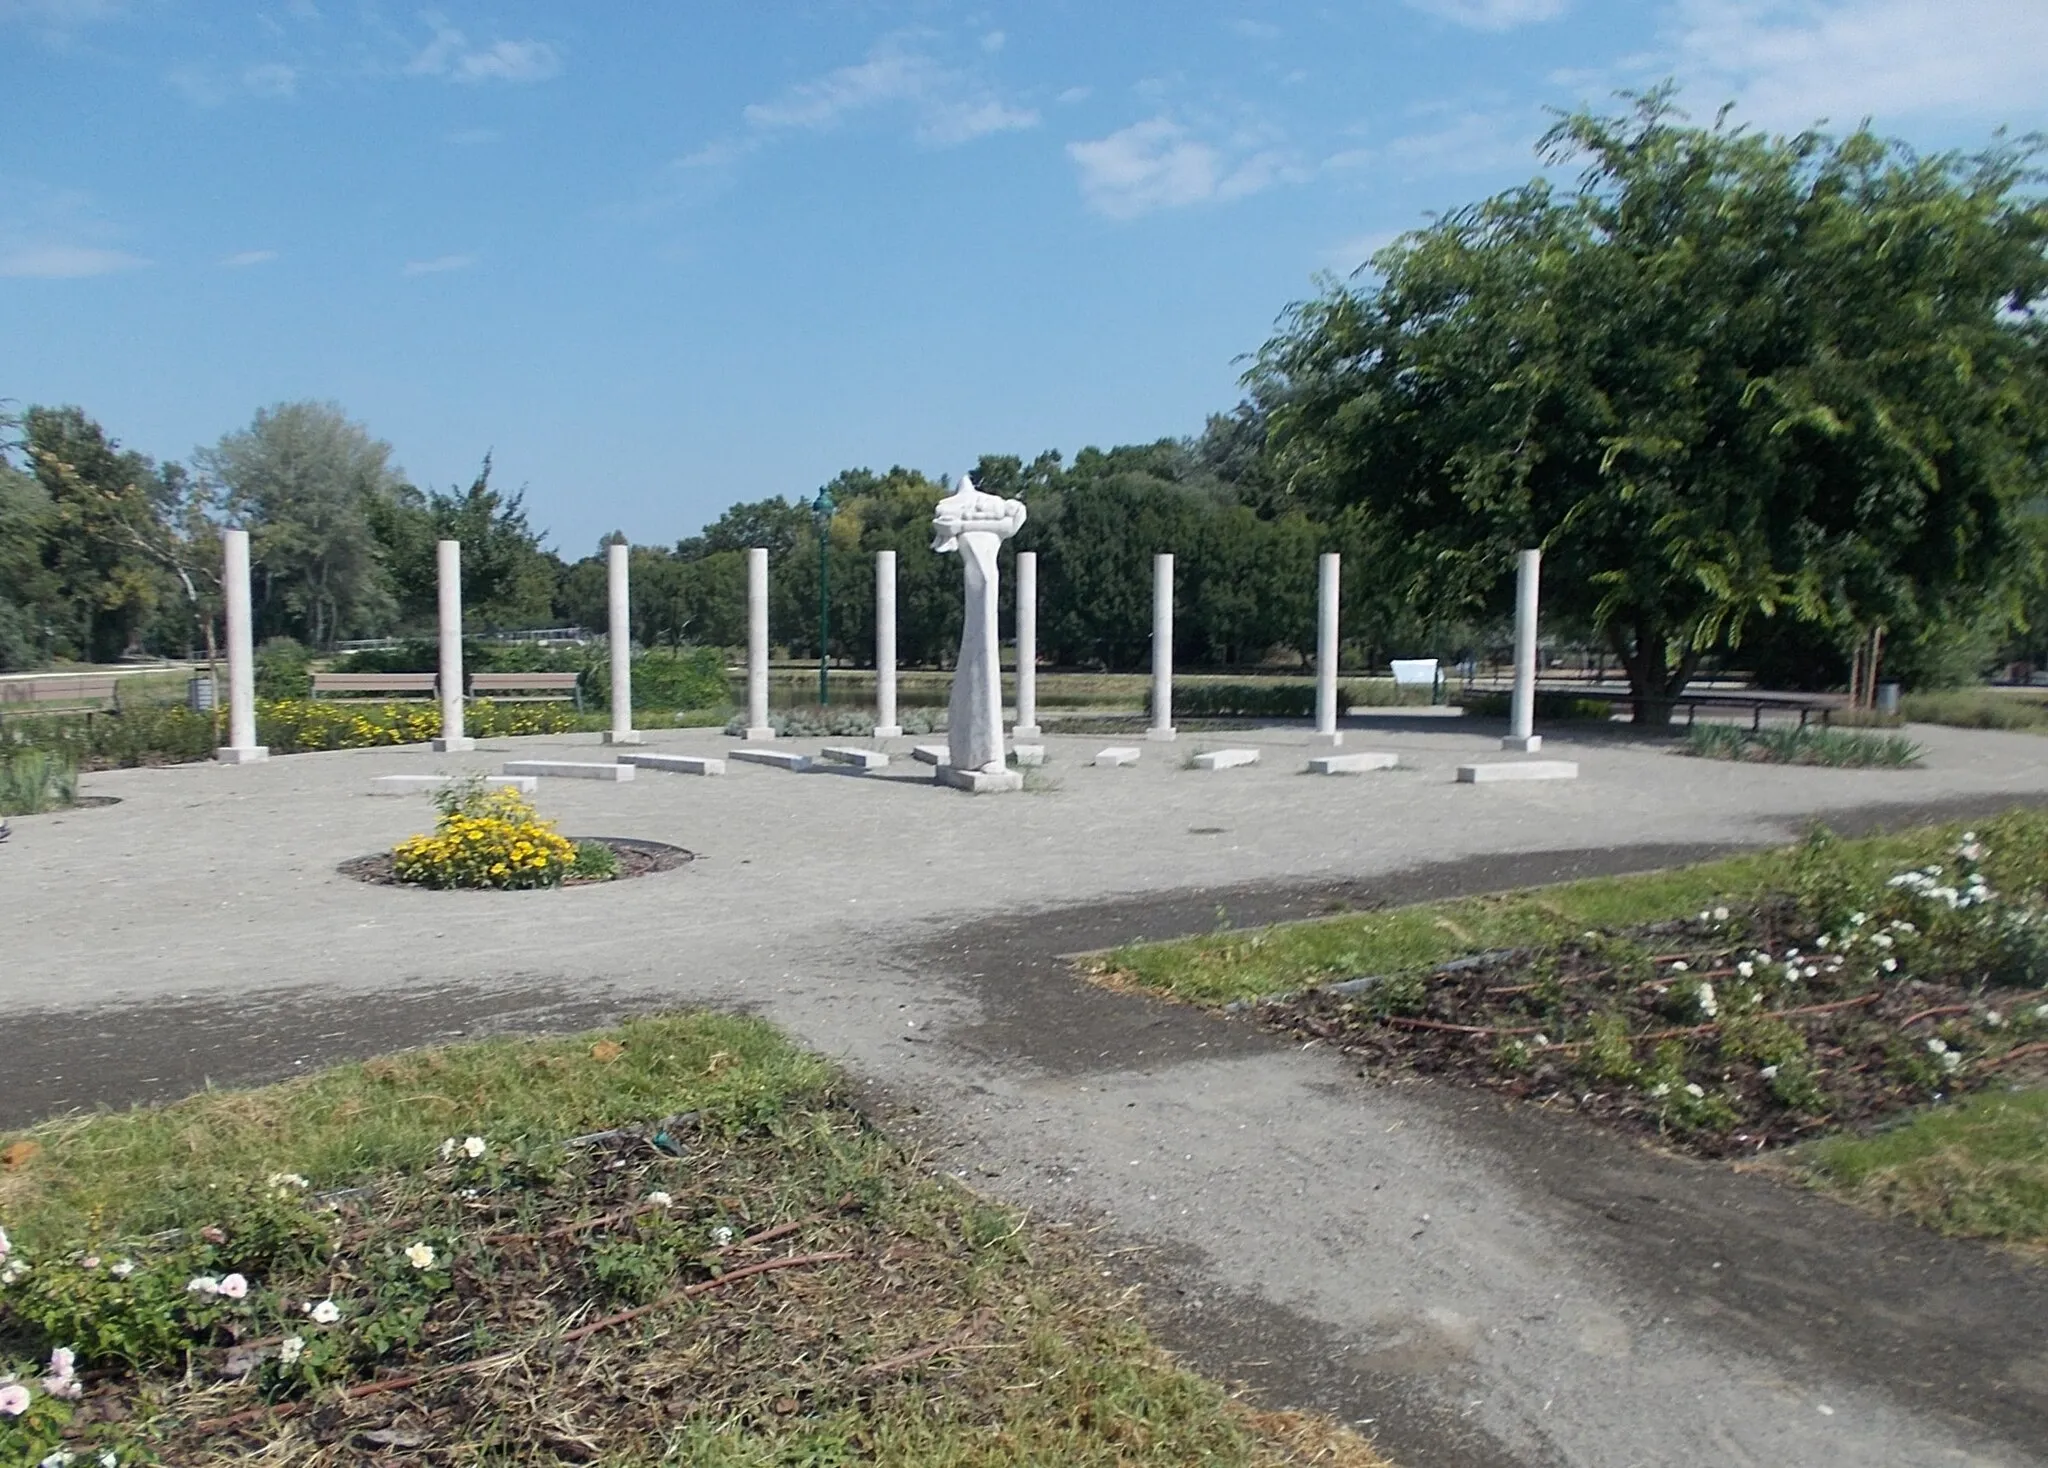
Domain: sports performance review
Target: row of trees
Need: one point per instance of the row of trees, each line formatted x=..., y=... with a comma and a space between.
x=1756, y=397
x=105, y=554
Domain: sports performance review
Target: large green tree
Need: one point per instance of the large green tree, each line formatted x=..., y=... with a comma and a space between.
x=309, y=483
x=99, y=527
x=1723, y=376
x=508, y=578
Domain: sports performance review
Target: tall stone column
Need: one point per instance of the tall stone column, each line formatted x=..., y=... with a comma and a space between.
x=757, y=645
x=1162, y=648
x=1328, y=584
x=1522, y=710
x=448, y=561
x=241, y=748
x=1027, y=645
x=619, y=632
x=886, y=726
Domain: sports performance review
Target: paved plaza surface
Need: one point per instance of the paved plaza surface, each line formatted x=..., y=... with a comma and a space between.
x=1485, y=1284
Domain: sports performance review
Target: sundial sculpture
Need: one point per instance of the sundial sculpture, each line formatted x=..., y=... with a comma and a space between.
x=976, y=525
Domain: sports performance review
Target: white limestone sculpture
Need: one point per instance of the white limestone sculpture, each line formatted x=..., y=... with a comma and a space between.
x=976, y=525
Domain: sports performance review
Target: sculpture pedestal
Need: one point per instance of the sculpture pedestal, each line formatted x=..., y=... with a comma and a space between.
x=246, y=755
x=980, y=782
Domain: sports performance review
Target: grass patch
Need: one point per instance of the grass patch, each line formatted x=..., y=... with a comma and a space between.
x=1802, y=745
x=431, y=1252
x=1239, y=964
x=1977, y=1168
x=1825, y=991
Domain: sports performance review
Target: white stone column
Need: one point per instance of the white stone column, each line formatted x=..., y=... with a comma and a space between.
x=757, y=645
x=241, y=748
x=1328, y=583
x=1027, y=645
x=1162, y=648
x=448, y=561
x=886, y=726
x=1522, y=711
x=619, y=632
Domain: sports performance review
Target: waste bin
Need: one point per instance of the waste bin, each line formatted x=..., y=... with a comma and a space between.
x=1888, y=699
x=199, y=694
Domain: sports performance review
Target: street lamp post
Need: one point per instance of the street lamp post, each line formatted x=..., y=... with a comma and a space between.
x=821, y=511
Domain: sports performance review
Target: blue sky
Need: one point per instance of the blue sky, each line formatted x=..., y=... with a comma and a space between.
x=665, y=256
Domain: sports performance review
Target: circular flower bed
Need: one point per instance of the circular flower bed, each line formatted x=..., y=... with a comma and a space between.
x=494, y=838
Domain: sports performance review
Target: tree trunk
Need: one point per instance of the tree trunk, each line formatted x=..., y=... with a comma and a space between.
x=1653, y=683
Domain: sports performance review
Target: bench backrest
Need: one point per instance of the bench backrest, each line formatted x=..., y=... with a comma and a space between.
x=374, y=682
x=65, y=689
x=521, y=682
x=1415, y=672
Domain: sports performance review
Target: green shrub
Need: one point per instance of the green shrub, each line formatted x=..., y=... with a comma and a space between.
x=665, y=679
x=594, y=861
x=283, y=669
x=839, y=723
x=1248, y=700
x=33, y=780
x=1551, y=707
x=1978, y=708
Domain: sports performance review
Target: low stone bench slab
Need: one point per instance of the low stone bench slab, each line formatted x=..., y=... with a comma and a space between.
x=931, y=754
x=979, y=782
x=425, y=784
x=1117, y=756
x=1528, y=769
x=1226, y=759
x=1028, y=756
x=860, y=759
x=781, y=759
x=568, y=769
x=1352, y=764
x=675, y=764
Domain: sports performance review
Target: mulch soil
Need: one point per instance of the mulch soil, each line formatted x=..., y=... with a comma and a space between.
x=636, y=859
x=1546, y=1025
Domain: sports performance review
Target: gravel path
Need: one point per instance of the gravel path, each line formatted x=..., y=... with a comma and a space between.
x=1488, y=1286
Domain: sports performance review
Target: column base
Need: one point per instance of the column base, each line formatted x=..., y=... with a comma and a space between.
x=460, y=744
x=979, y=782
x=758, y=733
x=888, y=731
x=1164, y=734
x=622, y=736
x=1331, y=737
x=252, y=754
x=1025, y=731
x=1523, y=744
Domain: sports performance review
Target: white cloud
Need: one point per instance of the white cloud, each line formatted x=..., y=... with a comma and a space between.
x=1159, y=164
x=1355, y=253
x=273, y=79
x=1790, y=63
x=1492, y=15
x=1467, y=142
x=65, y=262
x=57, y=21
x=993, y=42
x=243, y=259
x=950, y=106
x=450, y=55
x=1074, y=94
x=440, y=264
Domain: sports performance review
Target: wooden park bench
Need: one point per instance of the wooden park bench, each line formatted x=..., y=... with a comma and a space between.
x=1757, y=701
x=412, y=686
x=527, y=688
x=61, y=693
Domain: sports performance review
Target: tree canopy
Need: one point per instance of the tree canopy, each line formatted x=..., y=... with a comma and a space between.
x=1723, y=377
